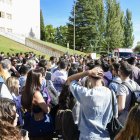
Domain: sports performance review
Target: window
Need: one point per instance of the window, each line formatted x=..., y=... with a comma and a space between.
x=9, y=30
x=9, y=16
x=2, y=14
x=2, y=29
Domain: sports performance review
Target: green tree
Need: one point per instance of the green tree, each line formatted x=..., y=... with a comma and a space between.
x=137, y=48
x=114, y=35
x=50, y=33
x=89, y=24
x=61, y=35
x=128, y=30
x=42, y=27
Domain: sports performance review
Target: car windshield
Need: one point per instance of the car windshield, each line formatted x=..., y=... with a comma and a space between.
x=125, y=54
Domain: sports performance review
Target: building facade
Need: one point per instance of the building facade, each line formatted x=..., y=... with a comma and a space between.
x=20, y=17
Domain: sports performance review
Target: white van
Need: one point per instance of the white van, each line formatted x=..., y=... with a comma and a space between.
x=122, y=52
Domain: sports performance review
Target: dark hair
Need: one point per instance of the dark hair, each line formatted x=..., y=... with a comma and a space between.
x=63, y=64
x=66, y=99
x=80, y=68
x=24, y=69
x=13, y=58
x=125, y=68
x=105, y=66
x=72, y=71
x=52, y=58
x=98, y=62
x=131, y=60
x=112, y=60
x=42, y=63
x=115, y=66
x=24, y=60
x=91, y=65
x=43, y=57
x=32, y=84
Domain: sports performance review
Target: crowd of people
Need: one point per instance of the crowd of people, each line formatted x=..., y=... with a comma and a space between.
x=68, y=98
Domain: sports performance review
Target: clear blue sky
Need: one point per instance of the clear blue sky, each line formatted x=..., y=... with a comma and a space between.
x=57, y=12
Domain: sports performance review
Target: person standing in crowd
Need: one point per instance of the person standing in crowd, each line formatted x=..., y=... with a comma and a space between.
x=95, y=105
x=24, y=69
x=135, y=75
x=8, y=121
x=37, y=120
x=13, y=86
x=107, y=73
x=60, y=76
x=116, y=79
x=4, y=74
x=131, y=130
x=123, y=93
x=13, y=69
x=5, y=66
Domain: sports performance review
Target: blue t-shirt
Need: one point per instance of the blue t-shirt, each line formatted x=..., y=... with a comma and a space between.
x=95, y=111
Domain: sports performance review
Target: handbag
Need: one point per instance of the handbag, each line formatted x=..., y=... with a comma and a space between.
x=114, y=126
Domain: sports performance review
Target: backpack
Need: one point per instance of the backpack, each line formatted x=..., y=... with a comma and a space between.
x=65, y=126
x=135, y=94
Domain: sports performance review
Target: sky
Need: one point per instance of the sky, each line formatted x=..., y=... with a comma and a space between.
x=57, y=12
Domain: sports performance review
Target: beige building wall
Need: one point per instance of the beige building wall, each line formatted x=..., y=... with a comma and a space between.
x=22, y=17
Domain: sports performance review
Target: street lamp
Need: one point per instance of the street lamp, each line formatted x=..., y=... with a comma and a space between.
x=74, y=28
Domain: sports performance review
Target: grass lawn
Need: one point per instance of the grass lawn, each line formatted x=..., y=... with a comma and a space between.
x=61, y=48
x=7, y=45
x=10, y=46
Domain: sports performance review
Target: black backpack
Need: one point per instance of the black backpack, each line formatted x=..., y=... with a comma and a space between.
x=135, y=94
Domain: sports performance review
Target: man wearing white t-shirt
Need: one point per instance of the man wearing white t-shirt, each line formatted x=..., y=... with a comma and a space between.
x=60, y=76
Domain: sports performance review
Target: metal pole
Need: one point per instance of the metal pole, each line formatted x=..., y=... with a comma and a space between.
x=74, y=29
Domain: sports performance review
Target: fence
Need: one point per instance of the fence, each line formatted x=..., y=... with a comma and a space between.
x=33, y=44
x=43, y=48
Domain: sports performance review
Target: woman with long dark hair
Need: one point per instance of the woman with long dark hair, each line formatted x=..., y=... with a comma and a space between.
x=37, y=119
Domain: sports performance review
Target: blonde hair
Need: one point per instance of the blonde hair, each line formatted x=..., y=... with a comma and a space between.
x=12, y=83
x=7, y=131
x=132, y=126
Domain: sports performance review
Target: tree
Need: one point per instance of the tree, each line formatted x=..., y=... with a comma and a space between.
x=137, y=48
x=114, y=34
x=50, y=33
x=61, y=35
x=42, y=27
x=89, y=24
x=128, y=30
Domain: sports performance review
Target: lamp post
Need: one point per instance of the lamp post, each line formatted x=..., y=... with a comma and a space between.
x=74, y=29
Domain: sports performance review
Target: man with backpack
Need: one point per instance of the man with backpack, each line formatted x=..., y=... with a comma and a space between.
x=124, y=94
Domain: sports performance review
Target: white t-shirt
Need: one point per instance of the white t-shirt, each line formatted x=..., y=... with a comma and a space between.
x=5, y=93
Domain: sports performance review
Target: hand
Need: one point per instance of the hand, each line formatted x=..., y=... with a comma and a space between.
x=95, y=72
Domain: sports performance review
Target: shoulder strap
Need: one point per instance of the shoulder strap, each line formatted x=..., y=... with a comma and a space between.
x=128, y=86
x=106, y=78
x=112, y=99
x=115, y=82
x=0, y=86
x=131, y=91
